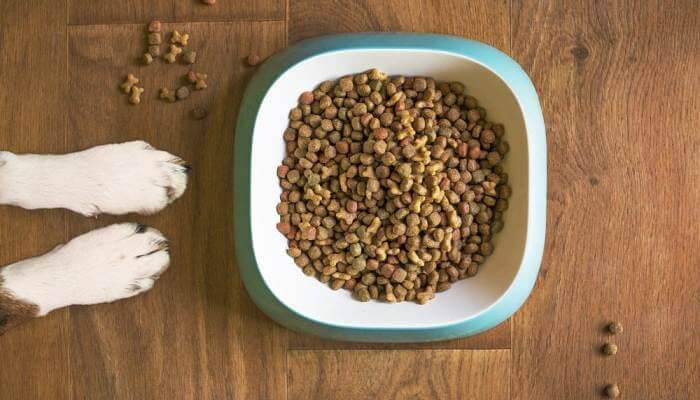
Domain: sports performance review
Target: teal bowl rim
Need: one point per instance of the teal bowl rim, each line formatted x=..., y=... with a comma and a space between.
x=509, y=71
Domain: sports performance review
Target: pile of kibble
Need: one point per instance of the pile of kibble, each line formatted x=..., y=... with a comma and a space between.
x=392, y=186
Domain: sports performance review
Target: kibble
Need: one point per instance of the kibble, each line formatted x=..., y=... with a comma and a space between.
x=392, y=185
x=182, y=92
x=171, y=56
x=615, y=328
x=189, y=56
x=129, y=83
x=253, y=60
x=609, y=349
x=612, y=391
x=135, y=97
x=179, y=38
x=167, y=95
x=201, y=113
x=154, y=26
x=147, y=58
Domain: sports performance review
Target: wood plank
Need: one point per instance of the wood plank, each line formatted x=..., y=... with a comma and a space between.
x=196, y=334
x=310, y=18
x=88, y=12
x=619, y=83
x=391, y=374
x=487, y=21
x=35, y=358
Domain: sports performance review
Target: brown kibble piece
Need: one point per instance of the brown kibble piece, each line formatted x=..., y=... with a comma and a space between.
x=199, y=113
x=154, y=51
x=209, y=2
x=253, y=60
x=182, y=92
x=179, y=38
x=615, y=328
x=189, y=56
x=147, y=58
x=609, y=349
x=306, y=98
x=129, y=83
x=154, y=38
x=612, y=391
x=167, y=95
x=154, y=26
x=135, y=97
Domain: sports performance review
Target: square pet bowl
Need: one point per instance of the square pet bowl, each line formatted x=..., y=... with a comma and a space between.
x=472, y=305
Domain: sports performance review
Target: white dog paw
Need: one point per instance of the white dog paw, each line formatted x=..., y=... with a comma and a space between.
x=113, y=179
x=101, y=266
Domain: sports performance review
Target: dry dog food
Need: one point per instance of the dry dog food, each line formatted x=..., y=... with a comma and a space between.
x=179, y=38
x=253, y=60
x=609, y=349
x=392, y=186
x=209, y=2
x=199, y=113
x=189, y=56
x=171, y=56
x=612, y=391
x=167, y=95
x=130, y=81
x=147, y=58
x=615, y=328
x=135, y=97
x=182, y=93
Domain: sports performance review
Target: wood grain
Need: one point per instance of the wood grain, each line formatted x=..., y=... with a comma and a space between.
x=196, y=334
x=619, y=83
x=392, y=374
x=486, y=21
x=34, y=360
x=90, y=12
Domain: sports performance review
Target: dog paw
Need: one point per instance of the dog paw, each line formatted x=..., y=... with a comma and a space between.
x=101, y=266
x=110, y=179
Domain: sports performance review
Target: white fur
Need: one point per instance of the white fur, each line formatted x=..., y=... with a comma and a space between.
x=100, y=266
x=113, y=179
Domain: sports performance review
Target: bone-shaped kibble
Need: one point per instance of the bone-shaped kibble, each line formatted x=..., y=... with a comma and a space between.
x=135, y=97
x=171, y=56
x=198, y=79
x=130, y=81
x=181, y=38
x=167, y=95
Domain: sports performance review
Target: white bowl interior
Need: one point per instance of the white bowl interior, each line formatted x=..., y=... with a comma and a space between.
x=316, y=301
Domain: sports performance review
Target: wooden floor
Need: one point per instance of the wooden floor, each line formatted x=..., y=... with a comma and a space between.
x=619, y=84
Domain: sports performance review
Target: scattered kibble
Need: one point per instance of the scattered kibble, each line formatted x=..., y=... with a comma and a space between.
x=612, y=391
x=182, y=93
x=129, y=83
x=393, y=184
x=154, y=26
x=615, y=328
x=171, y=56
x=154, y=38
x=190, y=56
x=609, y=349
x=179, y=38
x=209, y=2
x=154, y=51
x=201, y=84
x=199, y=79
x=135, y=97
x=147, y=58
x=199, y=113
x=167, y=95
x=253, y=60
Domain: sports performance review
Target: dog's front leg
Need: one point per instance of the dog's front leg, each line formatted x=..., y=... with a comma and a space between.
x=109, y=179
x=103, y=265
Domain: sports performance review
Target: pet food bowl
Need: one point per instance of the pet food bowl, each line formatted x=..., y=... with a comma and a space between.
x=301, y=303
